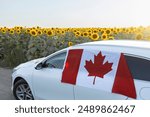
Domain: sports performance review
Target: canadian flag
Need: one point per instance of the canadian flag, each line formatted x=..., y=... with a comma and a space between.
x=101, y=70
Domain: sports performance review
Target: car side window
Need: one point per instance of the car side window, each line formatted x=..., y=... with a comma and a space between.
x=56, y=61
x=139, y=67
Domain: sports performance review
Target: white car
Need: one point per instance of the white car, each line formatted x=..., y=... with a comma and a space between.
x=117, y=69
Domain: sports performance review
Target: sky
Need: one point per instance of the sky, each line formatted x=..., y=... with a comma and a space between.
x=75, y=13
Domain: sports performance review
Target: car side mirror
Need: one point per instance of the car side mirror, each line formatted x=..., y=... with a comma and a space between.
x=39, y=66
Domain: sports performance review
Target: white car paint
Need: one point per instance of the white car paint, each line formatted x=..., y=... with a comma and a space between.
x=48, y=80
x=144, y=93
x=46, y=83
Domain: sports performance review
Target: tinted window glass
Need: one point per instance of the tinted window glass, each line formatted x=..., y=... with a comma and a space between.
x=56, y=61
x=140, y=68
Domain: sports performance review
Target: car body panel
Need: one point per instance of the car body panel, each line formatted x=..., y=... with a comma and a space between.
x=144, y=93
x=85, y=93
x=47, y=85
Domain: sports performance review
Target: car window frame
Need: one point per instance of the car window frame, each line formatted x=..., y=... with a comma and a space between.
x=139, y=57
x=53, y=55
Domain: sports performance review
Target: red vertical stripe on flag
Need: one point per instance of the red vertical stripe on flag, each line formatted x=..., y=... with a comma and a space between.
x=124, y=83
x=72, y=64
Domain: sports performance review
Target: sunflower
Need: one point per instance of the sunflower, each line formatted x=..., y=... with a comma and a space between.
x=74, y=30
x=21, y=28
x=78, y=33
x=139, y=36
x=95, y=31
x=33, y=32
x=62, y=32
x=115, y=32
x=11, y=32
x=45, y=31
x=89, y=34
x=99, y=29
x=119, y=30
x=17, y=27
x=3, y=31
x=39, y=32
x=94, y=36
x=70, y=43
x=58, y=31
x=112, y=29
x=127, y=31
x=89, y=31
x=27, y=30
x=104, y=36
x=102, y=31
x=85, y=34
x=18, y=31
x=108, y=31
x=38, y=27
x=131, y=29
x=49, y=32
x=123, y=29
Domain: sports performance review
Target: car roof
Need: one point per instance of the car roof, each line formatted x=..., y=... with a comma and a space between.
x=122, y=43
x=128, y=47
x=131, y=47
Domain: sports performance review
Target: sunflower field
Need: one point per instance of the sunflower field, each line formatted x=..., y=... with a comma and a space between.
x=20, y=44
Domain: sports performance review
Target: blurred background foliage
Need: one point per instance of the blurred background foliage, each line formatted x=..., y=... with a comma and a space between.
x=21, y=44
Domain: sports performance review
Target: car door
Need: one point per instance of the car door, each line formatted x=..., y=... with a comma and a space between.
x=47, y=81
x=88, y=91
x=140, y=69
x=84, y=93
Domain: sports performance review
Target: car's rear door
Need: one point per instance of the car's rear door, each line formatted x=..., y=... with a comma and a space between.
x=85, y=93
x=140, y=70
x=47, y=81
x=87, y=90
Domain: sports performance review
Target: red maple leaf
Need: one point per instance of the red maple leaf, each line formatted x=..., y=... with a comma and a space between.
x=98, y=68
